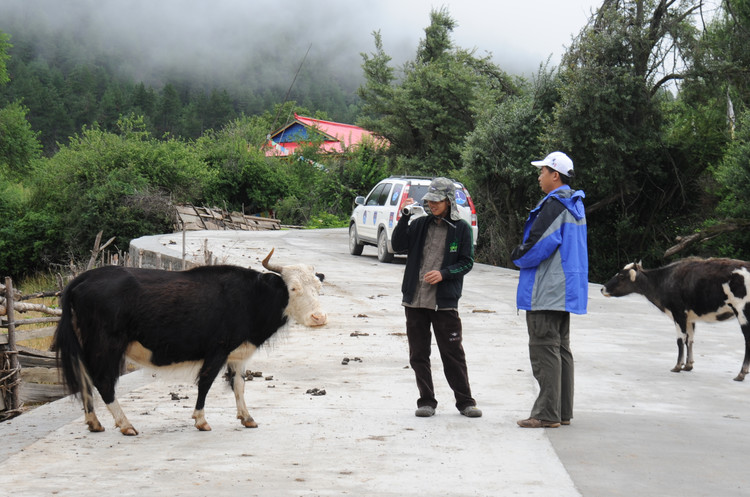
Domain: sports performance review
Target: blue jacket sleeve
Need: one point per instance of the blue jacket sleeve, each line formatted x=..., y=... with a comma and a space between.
x=543, y=239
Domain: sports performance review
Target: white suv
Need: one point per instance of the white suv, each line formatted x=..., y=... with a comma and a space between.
x=375, y=216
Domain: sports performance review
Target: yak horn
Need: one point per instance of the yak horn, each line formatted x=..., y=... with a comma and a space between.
x=267, y=265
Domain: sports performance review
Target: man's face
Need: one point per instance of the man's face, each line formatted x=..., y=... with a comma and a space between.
x=438, y=209
x=548, y=179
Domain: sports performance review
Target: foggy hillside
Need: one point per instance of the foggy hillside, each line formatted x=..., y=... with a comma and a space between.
x=216, y=44
x=222, y=41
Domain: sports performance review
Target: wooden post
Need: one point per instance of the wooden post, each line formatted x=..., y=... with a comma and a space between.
x=15, y=377
x=184, y=229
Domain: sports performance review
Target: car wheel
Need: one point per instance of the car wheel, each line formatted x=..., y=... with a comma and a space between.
x=355, y=248
x=383, y=254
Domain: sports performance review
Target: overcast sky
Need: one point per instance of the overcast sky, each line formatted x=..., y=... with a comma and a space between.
x=520, y=34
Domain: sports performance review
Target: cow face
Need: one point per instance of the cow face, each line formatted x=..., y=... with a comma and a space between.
x=304, y=286
x=624, y=282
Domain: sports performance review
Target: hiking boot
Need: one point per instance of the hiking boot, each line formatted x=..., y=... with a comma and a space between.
x=537, y=423
x=471, y=412
x=424, y=412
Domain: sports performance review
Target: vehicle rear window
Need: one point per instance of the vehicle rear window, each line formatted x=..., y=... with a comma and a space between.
x=396, y=193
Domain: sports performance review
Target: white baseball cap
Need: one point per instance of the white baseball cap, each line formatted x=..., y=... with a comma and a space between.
x=557, y=161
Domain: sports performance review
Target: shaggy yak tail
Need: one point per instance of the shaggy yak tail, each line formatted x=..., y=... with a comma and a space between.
x=69, y=351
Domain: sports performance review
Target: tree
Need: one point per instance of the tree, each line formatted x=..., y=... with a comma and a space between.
x=19, y=144
x=722, y=57
x=4, y=46
x=716, y=97
x=144, y=100
x=426, y=115
x=122, y=183
x=169, y=111
x=497, y=158
x=242, y=177
x=612, y=121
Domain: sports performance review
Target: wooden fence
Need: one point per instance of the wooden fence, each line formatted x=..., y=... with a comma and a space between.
x=192, y=218
x=26, y=375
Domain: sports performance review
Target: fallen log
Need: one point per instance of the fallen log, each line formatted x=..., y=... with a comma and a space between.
x=706, y=234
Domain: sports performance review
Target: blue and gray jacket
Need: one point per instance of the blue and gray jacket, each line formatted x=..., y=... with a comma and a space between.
x=553, y=256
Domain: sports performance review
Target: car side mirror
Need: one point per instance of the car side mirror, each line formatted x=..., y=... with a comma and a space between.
x=360, y=200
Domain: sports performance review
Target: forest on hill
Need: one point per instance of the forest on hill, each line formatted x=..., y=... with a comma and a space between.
x=650, y=102
x=65, y=83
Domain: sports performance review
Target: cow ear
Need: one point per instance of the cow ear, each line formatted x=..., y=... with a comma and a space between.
x=639, y=265
x=320, y=276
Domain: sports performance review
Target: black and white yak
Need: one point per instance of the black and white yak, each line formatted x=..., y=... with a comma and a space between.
x=692, y=290
x=205, y=317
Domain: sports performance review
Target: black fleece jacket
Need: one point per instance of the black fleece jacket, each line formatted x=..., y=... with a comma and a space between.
x=458, y=258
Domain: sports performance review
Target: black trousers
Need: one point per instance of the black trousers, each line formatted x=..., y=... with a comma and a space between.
x=448, y=336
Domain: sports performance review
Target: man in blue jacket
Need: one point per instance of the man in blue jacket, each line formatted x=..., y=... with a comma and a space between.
x=553, y=282
x=439, y=253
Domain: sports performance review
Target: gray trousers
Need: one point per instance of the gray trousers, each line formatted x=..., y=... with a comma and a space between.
x=551, y=363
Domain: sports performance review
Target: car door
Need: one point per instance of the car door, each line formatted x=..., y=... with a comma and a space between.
x=380, y=214
x=368, y=224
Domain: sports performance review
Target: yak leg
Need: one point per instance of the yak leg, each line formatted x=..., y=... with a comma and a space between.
x=681, y=339
x=121, y=421
x=87, y=397
x=106, y=387
x=105, y=381
x=238, y=387
x=746, y=332
x=88, y=407
x=689, y=344
x=678, y=367
x=206, y=377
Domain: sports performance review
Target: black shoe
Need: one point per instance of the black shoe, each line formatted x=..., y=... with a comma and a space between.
x=425, y=412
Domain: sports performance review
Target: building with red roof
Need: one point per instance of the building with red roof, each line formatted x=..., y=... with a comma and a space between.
x=336, y=137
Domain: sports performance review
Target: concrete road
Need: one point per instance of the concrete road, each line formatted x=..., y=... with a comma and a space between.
x=638, y=428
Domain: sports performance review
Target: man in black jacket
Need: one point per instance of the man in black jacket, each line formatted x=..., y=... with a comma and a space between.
x=439, y=253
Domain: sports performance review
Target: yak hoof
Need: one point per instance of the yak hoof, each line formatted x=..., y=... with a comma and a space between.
x=689, y=367
x=95, y=427
x=249, y=423
x=129, y=431
x=203, y=426
x=740, y=377
x=676, y=369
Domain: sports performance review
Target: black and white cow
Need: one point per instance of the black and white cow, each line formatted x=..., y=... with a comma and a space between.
x=204, y=317
x=692, y=290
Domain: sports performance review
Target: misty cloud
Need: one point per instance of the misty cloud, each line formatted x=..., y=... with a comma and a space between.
x=263, y=42
x=217, y=40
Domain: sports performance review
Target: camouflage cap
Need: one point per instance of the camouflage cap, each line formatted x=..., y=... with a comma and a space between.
x=440, y=189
